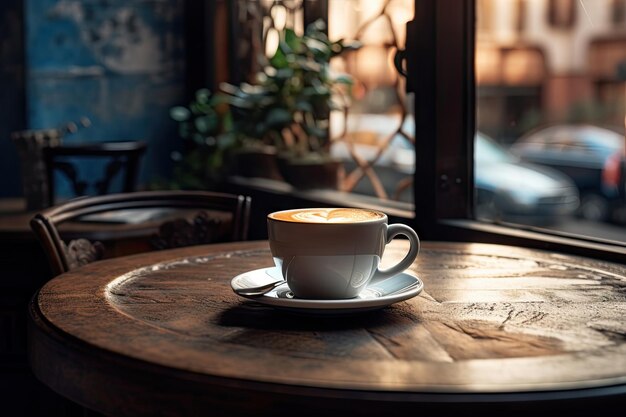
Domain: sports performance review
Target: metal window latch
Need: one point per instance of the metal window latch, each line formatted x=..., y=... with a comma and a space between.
x=402, y=58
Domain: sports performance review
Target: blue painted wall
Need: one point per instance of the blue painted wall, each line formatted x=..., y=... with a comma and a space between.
x=11, y=93
x=118, y=62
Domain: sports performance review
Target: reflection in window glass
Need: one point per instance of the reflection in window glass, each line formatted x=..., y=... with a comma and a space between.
x=551, y=94
x=375, y=137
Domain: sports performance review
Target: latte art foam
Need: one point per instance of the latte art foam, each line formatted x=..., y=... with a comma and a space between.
x=327, y=215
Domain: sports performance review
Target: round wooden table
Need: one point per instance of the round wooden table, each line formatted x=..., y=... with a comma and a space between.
x=497, y=329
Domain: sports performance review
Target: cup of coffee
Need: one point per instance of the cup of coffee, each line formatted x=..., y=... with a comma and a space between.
x=333, y=253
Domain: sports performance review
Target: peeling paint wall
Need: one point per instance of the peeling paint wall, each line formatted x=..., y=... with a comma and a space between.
x=11, y=93
x=118, y=62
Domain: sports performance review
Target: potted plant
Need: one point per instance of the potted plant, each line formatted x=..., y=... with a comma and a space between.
x=289, y=105
x=206, y=129
x=213, y=148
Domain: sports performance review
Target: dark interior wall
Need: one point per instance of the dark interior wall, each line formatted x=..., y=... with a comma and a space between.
x=118, y=62
x=11, y=92
x=121, y=63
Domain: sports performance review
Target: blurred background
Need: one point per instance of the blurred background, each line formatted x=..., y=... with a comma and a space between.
x=179, y=76
x=304, y=103
x=551, y=89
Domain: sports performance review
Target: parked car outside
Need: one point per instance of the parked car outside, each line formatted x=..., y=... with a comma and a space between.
x=593, y=157
x=507, y=189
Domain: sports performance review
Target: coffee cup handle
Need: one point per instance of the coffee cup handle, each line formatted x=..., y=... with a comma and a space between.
x=394, y=230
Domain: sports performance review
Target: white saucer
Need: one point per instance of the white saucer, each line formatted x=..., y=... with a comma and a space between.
x=376, y=295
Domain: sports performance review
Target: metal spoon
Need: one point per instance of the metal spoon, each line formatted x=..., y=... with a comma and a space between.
x=259, y=290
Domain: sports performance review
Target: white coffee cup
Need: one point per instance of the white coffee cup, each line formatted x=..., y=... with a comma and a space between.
x=333, y=253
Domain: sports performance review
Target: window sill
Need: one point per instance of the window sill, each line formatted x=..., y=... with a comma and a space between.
x=281, y=196
x=324, y=197
x=472, y=230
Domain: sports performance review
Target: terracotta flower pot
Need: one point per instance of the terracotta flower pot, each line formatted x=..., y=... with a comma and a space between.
x=310, y=174
x=257, y=162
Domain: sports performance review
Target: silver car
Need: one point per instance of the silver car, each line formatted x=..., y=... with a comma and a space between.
x=512, y=191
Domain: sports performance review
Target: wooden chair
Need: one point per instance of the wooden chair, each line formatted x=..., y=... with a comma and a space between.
x=121, y=158
x=92, y=228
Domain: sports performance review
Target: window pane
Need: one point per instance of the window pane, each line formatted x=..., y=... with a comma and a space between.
x=375, y=137
x=551, y=94
x=371, y=130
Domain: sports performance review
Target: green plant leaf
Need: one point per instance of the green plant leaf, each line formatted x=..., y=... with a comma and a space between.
x=317, y=26
x=229, y=88
x=309, y=65
x=316, y=131
x=336, y=47
x=351, y=46
x=180, y=114
x=277, y=117
x=206, y=124
x=313, y=158
x=285, y=48
x=304, y=105
x=292, y=40
x=252, y=89
x=176, y=156
x=344, y=79
x=240, y=102
x=279, y=60
x=225, y=141
x=316, y=90
x=317, y=46
x=203, y=96
x=200, y=108
x=284, y=73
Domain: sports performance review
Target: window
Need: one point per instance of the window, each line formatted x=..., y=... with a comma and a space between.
x=465, y=92
x=556, y=101
x=477, y=88
x=374, y=137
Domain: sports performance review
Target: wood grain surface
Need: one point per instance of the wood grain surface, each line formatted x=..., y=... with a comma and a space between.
x=163, y=334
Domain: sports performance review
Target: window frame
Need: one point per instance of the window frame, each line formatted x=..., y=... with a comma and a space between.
x=440, y=67
x=440, y=71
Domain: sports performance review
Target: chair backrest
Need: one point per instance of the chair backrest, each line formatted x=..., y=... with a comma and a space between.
x=136, y=222
x=121, y=158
